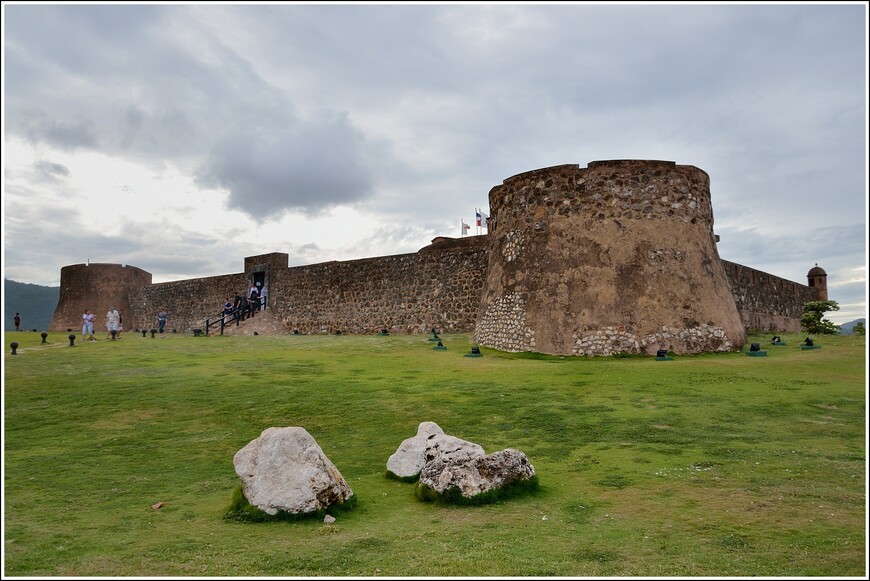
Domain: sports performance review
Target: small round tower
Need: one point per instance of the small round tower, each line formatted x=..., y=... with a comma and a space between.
x=817, y=279
x=96, y=287
x=616, y=257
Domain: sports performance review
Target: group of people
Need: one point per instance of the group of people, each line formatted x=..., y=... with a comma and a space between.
x=245, y=305
x=114, y=322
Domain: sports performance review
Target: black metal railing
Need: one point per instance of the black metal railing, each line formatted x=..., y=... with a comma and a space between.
x=236, y=316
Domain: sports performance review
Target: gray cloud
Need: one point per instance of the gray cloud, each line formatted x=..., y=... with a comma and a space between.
x=412, y=113
x=65, y=134
x=308, y=168
x=51, y=171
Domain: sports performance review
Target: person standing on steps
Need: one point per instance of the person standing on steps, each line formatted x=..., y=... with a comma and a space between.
x=243, y=307
x=253, y=299
x=237, y=307
x=263, y=295
x=227, y=310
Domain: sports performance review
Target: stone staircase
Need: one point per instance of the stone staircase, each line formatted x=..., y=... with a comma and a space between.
x=263, y=323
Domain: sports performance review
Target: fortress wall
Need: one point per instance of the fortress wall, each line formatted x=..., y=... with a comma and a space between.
x=436, y=287
x=98, y=287
x=767, y=302
x=615, y=257
x=187, y=302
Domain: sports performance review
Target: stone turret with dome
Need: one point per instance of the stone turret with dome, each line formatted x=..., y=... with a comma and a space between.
x=817, y=279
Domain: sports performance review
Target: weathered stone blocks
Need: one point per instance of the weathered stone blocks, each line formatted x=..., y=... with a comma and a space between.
x=618, y=257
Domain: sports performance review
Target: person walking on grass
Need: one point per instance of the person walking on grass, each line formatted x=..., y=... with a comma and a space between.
x=112, y=320
x=17, y=319
x=161, y=320
x=88, y=325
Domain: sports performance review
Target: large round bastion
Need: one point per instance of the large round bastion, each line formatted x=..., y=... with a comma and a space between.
x=616, y=257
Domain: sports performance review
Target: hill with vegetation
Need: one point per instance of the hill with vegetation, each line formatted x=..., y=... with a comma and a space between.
x=847, y=328
x=34, y=302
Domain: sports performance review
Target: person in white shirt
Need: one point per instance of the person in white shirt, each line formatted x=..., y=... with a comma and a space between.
x=113, y=319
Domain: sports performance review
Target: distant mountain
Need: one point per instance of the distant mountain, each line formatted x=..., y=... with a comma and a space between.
x=33, y=302
x=846, y=328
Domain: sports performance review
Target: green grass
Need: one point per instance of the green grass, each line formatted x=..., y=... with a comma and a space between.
x=710, y=465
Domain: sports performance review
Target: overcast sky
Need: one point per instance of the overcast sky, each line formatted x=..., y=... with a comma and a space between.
x=181, y=138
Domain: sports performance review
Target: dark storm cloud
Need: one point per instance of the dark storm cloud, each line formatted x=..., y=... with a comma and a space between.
x=130, y=87
x=308, y=168
x=66, y=134
x=120, y=79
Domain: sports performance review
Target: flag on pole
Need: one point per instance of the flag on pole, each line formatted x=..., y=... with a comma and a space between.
x=481, y=219
x=465, y=226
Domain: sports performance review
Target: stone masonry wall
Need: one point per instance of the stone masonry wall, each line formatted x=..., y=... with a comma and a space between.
x=390, y=294
x=188, y=303
x=767, y=302
x=437, y=287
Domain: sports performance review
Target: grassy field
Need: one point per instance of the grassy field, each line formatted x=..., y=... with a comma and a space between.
x=712, y=465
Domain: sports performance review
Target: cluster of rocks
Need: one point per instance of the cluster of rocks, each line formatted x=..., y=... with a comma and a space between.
x=445, y=464
x=284, y=469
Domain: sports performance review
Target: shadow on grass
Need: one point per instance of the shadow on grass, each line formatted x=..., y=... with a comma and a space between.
x=409, y=479
x=240, y=510
x=453, y=496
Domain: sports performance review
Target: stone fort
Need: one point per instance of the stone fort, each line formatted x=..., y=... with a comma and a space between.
x=616, y=257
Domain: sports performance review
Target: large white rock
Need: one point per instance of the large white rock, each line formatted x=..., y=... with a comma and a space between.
x=285, y=469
